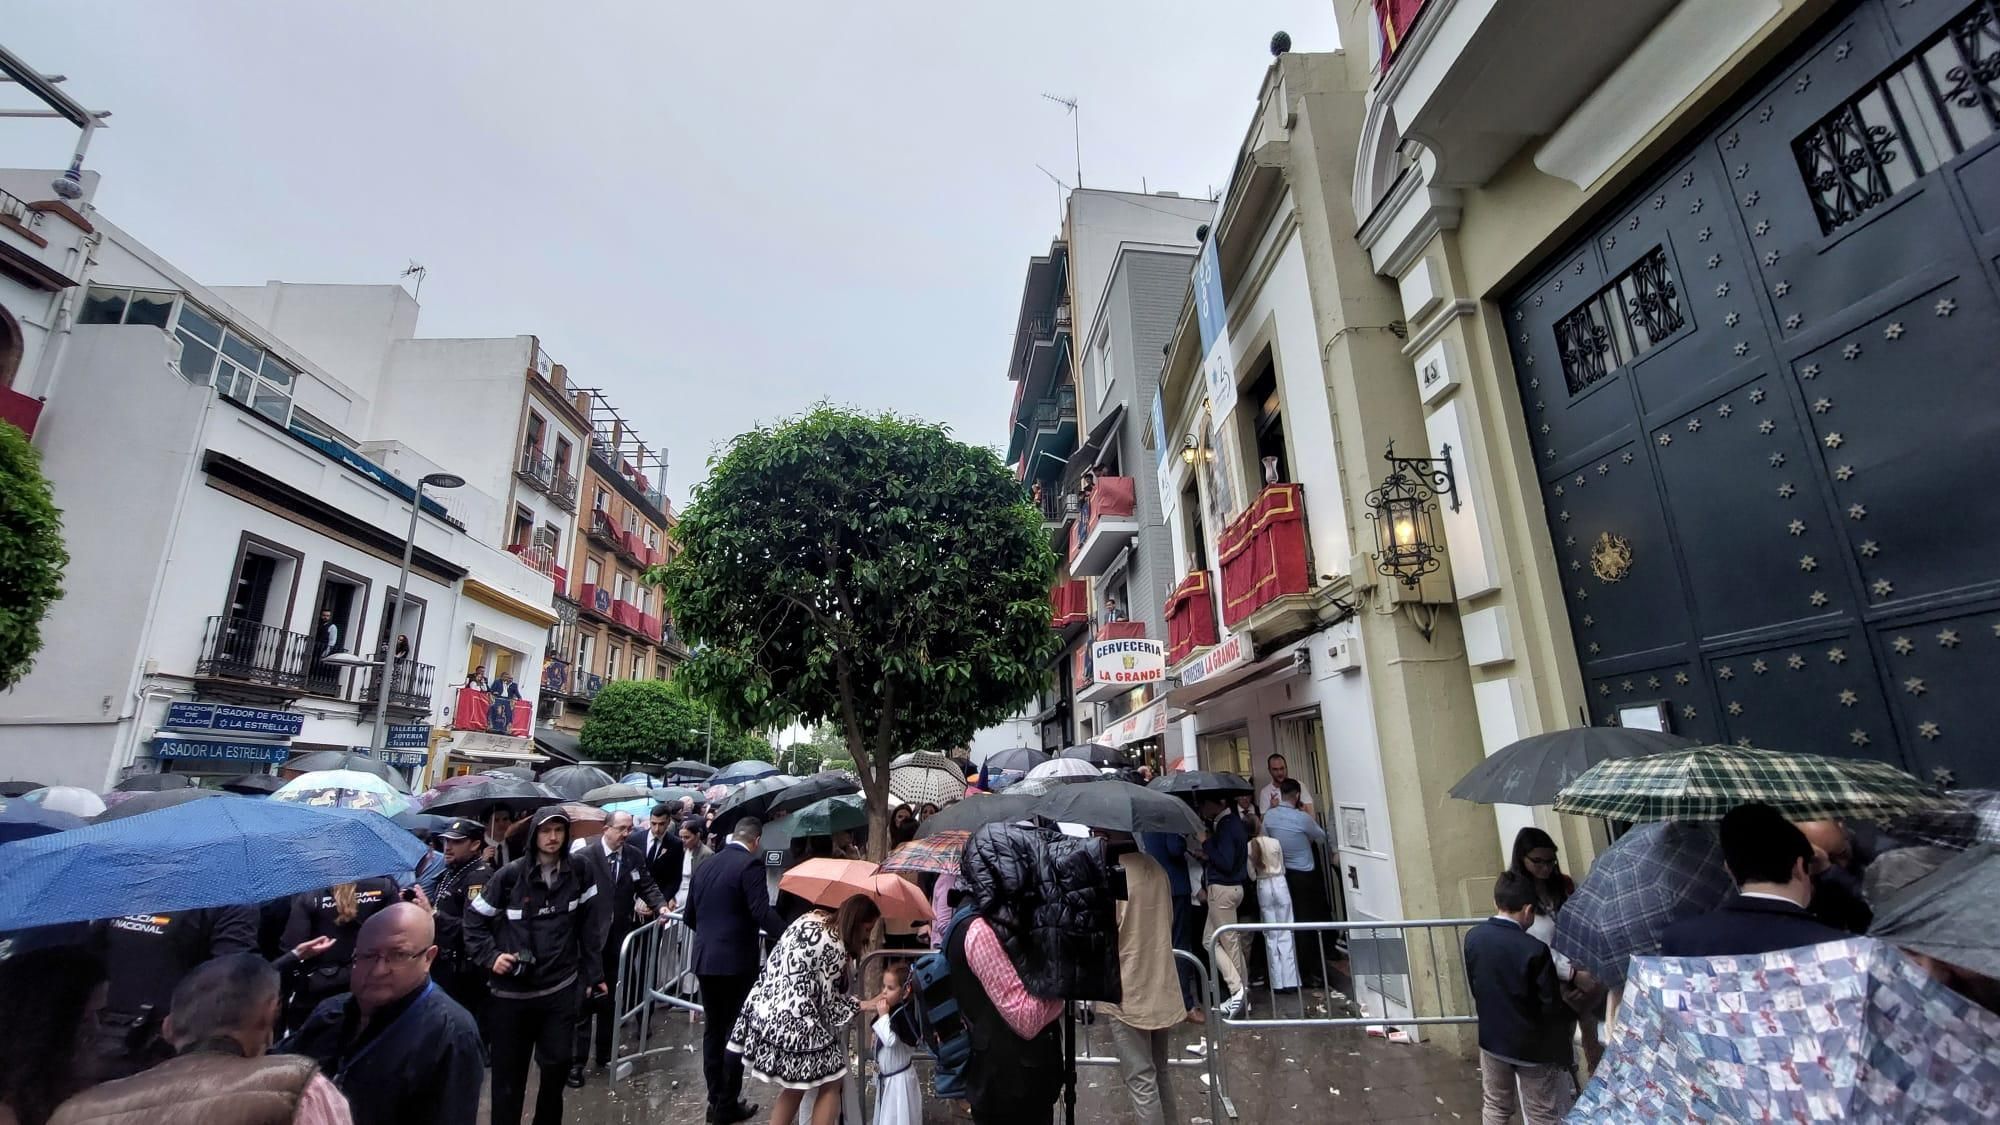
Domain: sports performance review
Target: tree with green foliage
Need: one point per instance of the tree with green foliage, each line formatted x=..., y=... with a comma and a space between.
x=868, y=571
x=656, y=721
x=32, y=557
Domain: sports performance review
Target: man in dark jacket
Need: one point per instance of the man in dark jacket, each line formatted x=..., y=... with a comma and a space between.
x=146, y=956
x=622, y=880
x=1524, y=1025
x=662, y=845
x=1225, y=876
x=538, y=927
x=402, y=1050
x=727, y=906
x=465, y=875
x=1771, y=862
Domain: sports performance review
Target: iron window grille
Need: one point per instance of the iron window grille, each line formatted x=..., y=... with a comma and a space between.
x=1930, y=106
x=1624, y=320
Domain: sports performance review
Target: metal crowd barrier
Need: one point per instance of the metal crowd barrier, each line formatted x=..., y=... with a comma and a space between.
x=655, y=971
x=1088, y=1051
x=1401, y=973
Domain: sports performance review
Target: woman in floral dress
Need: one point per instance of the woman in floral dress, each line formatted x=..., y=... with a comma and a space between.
x=790, y=1032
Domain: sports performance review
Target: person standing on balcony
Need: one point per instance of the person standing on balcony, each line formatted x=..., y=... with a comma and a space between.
x=477, y=680
x=1112, y=614
x=329, y=634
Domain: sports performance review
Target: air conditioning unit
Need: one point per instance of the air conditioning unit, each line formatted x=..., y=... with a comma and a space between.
x=1343, y=654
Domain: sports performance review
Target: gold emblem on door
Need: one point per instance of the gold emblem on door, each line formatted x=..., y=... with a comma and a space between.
x=1611, y=557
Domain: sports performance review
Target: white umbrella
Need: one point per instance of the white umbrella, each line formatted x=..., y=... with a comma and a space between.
x=345, y=789
x=1063, y=767
x=72, y=799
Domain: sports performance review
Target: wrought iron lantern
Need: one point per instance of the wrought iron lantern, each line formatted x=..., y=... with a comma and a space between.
x=1404, y=508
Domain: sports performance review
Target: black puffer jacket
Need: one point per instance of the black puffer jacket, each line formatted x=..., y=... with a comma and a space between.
x=1049, y=899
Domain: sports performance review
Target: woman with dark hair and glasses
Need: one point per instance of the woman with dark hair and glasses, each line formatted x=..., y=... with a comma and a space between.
x=1535, y=856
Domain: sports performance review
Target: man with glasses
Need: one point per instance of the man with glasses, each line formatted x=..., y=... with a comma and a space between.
x=400, y=1049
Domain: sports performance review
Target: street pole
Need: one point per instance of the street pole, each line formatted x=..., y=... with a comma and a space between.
x=375, y=743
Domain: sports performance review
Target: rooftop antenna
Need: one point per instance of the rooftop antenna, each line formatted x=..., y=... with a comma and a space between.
x=1075, y=128
x=1060, y=188
x=418, y=271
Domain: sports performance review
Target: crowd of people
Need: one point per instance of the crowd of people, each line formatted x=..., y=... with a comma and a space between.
x=1795, y=885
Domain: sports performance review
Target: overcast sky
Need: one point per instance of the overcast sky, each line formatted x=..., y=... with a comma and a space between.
x=721, y=218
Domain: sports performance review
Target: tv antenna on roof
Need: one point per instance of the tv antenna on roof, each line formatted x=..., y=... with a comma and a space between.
x=1076, y=130
x=419, y=272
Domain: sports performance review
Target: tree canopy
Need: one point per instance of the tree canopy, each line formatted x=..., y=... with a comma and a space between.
x=868, y=571
x=657, y=721
x=32, y=557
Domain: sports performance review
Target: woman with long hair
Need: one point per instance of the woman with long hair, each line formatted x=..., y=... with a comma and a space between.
x=51, y=997
x=335, y=913
x=1536, y=857
x=902, y=824
x=791, y=1031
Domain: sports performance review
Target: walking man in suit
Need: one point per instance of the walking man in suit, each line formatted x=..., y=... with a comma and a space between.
x=663, y=847
x=728, y=904
x=1771, y=861
x=630, y=896
x=1524, y=1025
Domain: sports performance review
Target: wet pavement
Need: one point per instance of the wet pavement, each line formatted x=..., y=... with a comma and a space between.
x=1270, y=1074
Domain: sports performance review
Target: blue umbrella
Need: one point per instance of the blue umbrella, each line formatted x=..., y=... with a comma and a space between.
x=748, y=770
x=220, y=852
x=22, y=819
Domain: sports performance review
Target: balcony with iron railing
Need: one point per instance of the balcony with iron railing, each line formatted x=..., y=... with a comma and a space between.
x=251, y=654
x=476, y=710
x=409, y=685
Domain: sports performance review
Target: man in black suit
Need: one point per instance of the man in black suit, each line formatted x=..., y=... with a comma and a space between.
x=1771, y=861
x=1524, y=1026
x=728, y=904
x=623, y=879
x=663, y=848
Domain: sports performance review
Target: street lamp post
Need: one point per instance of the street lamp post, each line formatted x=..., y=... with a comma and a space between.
x=388, y=667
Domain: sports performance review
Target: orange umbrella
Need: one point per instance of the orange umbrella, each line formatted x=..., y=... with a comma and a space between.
x=831, y=882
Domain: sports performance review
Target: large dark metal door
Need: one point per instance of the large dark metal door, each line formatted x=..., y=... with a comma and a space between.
x=1765, y=401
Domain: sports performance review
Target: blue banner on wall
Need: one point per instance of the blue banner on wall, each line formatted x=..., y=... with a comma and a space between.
x=165, y=746
x=237, y=720
x=393, y=757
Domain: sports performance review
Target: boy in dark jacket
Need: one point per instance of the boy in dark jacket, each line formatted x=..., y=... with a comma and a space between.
x=1525, y=1028
x=537, y=928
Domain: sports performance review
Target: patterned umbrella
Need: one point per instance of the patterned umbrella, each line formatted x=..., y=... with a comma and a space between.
x=1708, y=781
x=1533, y=770
x=344, y=789
x=1866, y=1037
x=939, y=854
x=1653, y=876
x=925, y=778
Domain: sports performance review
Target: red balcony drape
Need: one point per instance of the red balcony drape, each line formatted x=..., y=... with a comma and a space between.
x=1190, y=617
x=477, y=710
x=1263, y=553
x=1069, y=603
x=1393, y=19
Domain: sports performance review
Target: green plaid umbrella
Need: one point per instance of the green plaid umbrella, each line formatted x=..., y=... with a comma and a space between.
x=1707, y=781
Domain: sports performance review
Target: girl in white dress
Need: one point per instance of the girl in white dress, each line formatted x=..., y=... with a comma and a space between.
x=899, y=1099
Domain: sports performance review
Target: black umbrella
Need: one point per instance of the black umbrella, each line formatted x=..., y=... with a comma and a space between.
x=1201, y=783
x=421, y=825
x=16, y=788
x=974, y=813
x=697, y=771
x=574, y=781
x=148, y=802
x=1020, y=760
x=154, y=783
x=616, y=791
x=1096, y=753
x=348, y=760
x=1532, y=770
x=1118, y=806
x=818, y=787
x=253, y=784
x=753, y=799
x=481, y=797
x=518, y=773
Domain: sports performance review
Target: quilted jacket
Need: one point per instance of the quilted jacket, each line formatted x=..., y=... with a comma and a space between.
x=1050, y=899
